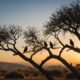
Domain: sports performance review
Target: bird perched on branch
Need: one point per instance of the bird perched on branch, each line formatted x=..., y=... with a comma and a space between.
x=25, y=49
x=51, y=45
x=45, y=44
x=71, y=43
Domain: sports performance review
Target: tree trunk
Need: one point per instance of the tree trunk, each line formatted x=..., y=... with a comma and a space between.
x=44, y=72
x=70, y=67
x=48, y=76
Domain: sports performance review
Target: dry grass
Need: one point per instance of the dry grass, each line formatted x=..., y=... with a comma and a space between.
x=38, y=78
x=28, y=78
x=34, y=78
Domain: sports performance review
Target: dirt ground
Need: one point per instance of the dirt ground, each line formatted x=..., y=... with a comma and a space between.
x=37, y=78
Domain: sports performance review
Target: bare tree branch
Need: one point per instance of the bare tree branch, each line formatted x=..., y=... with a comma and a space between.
x=45, y=60
x=70, y=48
x=36, y=52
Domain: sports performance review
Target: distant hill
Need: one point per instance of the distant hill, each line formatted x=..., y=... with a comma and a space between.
x=12, y=66
x=16, y=66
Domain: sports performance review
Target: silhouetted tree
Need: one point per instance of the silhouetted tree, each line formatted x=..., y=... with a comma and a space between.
x=10, y=36
x=66, y=19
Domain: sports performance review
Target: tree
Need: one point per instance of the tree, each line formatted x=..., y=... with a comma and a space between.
x=10, y=35
x=65, y=20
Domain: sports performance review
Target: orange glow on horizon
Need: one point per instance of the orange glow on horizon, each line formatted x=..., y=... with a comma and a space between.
x=70, y=56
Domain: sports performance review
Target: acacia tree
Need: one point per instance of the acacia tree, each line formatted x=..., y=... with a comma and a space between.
x=9, y=36
x=67, y=20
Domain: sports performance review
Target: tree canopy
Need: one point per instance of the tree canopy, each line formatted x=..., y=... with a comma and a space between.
x=66, y=19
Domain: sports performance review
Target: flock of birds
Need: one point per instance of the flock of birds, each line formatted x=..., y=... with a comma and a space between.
x=45, y=45
x=51, y=45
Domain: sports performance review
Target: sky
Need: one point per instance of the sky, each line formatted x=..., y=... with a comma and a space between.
x=27, y=13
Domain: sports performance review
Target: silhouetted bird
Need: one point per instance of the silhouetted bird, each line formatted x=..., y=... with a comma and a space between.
x=51, y=45
x=71, y=42
x=25, y=50
x=45, y=44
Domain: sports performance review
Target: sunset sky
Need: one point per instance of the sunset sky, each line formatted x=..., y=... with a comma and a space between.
x=29, y=13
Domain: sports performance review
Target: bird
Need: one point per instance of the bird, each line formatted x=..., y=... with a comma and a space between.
x=45, y=44
x=51, y=45
x=71, y=42
x=25, y=49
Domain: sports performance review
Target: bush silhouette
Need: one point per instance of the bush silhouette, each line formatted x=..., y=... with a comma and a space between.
x=36, y=74
x=13, y=75
x=2, y=72
x=55, y=73
x=27, y=74
x=70, y=76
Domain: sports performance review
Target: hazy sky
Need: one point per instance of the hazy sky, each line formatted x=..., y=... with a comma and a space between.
x=28, y=12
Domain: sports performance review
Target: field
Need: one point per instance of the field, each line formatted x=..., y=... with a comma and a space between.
x=23, y=72
x=36, y=78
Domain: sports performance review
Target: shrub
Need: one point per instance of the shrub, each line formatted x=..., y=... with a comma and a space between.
x=70, y=76
x=55, y=73
x=35, y=74
x=13, y=75
x=27, y=74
